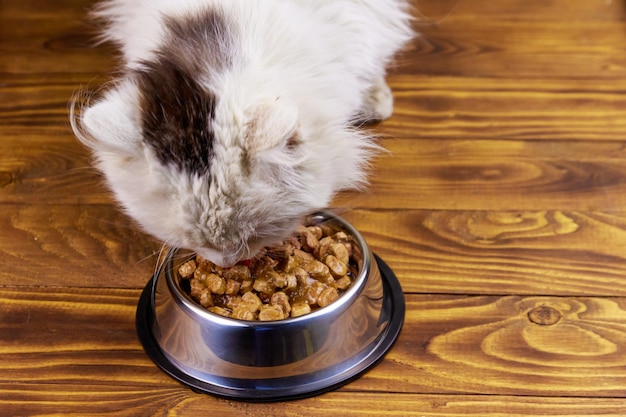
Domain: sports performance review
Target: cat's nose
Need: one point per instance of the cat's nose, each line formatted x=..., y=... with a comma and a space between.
x=229, y=260
x=224, y=260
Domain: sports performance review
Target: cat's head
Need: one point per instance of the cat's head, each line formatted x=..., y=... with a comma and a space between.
x=216, y=173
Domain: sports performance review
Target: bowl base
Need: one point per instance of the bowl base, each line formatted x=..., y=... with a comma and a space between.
x=288, y=388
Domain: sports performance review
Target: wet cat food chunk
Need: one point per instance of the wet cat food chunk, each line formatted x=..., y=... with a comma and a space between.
x=306, y=272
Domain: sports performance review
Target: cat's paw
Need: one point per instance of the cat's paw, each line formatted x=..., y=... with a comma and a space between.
x=378, y=103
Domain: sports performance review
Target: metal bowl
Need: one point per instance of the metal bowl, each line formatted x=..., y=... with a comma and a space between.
x=271, y=361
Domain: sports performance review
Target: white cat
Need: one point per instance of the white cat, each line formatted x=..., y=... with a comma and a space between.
x=233, y=119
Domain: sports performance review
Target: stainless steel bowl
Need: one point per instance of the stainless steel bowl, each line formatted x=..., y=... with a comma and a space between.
x=271, y=361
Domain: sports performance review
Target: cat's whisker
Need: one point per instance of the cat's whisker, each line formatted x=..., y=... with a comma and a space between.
x=155, y=254
x=162, y=256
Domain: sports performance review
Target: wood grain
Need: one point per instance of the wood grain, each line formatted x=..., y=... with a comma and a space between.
x=41, y=103
x=80, y=401
x=501, y=206
x=83, y=246
x=455, y=252
x=495, y=175
x=507, y=252
x=74, y=336
x=473, y=107
x=532, y=50
x=56, y=173
x=451, y=340
x=563, y=39
x=54, y=38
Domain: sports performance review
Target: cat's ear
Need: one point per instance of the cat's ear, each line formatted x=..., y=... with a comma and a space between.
x=113, y=122
x=272, y=127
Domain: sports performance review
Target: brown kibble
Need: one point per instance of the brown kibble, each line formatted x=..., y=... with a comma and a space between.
x=246, y=286
x=302, y=277
x=219, y=310
x=349, y=248
x=215, y=283
x=271, y=313
x=227, y=301
x=243, y=312
x=314, y=291
x=292, y=282
x=200, y=274
x=196, y=288
x=324, y=247
x=341, y=252
x=336, y=267
x=317, y=231
x=308, y=239
x=206, y=298
x=203, y=263
x=216, y=269
x=302, y=256
x=307, y=271
x=187, y=269
x=281, y=299
x=316, y=269
x=291, y=263
x=328, y=296
x=343, y=283
x=232, y=287
x=300, y=309
x=278, y=280
x=238, y=273
x=263, y=286
x=252, y=299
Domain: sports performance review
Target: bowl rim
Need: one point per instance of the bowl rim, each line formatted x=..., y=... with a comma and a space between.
x=191, y=307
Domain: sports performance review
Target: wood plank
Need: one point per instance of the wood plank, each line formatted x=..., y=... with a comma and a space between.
x=561, y=39
x=37, y=38
x=470, y=107
x=491, y=252
x=519, y=11
x=48, y=169
x=456, y=39
x=483, y=48
x=555, y=346
x=39, y=105
x=72, y=245
x=357, y=404
x=454, y=252
x=98, y=399
x=511, y=345
x=495, y=175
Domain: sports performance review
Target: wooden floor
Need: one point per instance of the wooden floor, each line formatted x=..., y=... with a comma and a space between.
x=501, y=208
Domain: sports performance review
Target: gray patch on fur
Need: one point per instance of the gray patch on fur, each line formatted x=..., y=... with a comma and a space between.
x=177, y=111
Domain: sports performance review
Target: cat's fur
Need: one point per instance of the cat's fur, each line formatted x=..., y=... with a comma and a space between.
x=233, y=119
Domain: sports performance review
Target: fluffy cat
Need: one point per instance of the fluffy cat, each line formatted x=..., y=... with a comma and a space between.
x=233, y=119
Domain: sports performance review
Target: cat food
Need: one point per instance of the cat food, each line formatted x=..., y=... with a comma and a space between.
x=308, y=271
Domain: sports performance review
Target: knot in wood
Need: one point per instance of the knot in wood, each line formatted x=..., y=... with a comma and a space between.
x=544, y=316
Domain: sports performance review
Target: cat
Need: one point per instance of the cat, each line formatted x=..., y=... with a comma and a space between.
x=231, y=120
